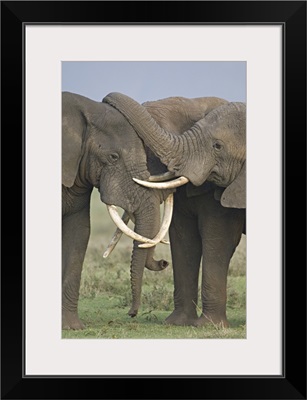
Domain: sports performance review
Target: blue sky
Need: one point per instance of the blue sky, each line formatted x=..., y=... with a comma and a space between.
x=144, y=81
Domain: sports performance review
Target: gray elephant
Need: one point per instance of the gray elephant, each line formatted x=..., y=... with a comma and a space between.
x=101, y=149
x=202, y=141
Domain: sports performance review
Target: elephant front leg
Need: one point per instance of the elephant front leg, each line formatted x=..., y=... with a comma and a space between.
x=220, y=239
x=186, y=256
x=213, y=292
x=75, y=236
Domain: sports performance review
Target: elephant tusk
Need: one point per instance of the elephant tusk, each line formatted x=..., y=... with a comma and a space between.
x=116, y=237
x=182, y=180
x=167, y=218
x=118, y=234
x=162, y=177
x=124, y=228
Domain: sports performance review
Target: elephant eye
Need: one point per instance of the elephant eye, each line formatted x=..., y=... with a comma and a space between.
x=217, y=146
x=113, y=157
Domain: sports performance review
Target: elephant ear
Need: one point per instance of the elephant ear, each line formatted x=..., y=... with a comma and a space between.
x=73, y=128
x=234, y=196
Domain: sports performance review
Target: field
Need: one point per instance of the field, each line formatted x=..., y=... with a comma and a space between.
x=105, y=293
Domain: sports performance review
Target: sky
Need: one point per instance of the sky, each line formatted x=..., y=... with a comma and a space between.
x=146, y=81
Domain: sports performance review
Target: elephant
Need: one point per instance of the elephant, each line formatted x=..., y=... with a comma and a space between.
x=203, y=142
x=100, y=149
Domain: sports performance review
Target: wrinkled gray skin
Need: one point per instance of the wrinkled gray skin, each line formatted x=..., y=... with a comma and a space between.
x=209, y=218
x=101, y=149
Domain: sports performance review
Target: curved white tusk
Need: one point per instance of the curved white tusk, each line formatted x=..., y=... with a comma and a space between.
x=116, y=237
x=124, y=228
x=162, y=177
x=118, y=234
x=182, y=180
x=167, y=218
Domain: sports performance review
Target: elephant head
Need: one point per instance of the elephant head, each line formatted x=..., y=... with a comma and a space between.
x=213, y=149
x=101, y=149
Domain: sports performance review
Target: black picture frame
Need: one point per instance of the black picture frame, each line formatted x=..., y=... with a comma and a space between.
x=292, y=16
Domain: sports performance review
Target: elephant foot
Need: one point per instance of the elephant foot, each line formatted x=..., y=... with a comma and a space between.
x=219, y=322
x=70, y=320
x=181, y=318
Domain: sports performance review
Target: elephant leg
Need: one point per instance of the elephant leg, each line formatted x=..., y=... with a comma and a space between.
x=220, y=235
x=186, y=250
x=75, y=236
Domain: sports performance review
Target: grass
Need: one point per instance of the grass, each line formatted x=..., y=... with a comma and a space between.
x=105, y=294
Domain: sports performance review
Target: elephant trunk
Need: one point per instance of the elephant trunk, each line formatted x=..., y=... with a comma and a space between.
x=161, y=142
x=146, y=224
x=155, y=265
x=183, y=154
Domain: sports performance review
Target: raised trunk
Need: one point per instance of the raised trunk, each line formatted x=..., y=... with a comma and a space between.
x=183, y=154
x=162, y=143
x=146, y=224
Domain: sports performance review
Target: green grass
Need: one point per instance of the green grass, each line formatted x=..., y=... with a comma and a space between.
x=105, y=294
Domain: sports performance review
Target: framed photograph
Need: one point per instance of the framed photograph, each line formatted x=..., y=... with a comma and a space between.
x=117, y=156
x=252, y=54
